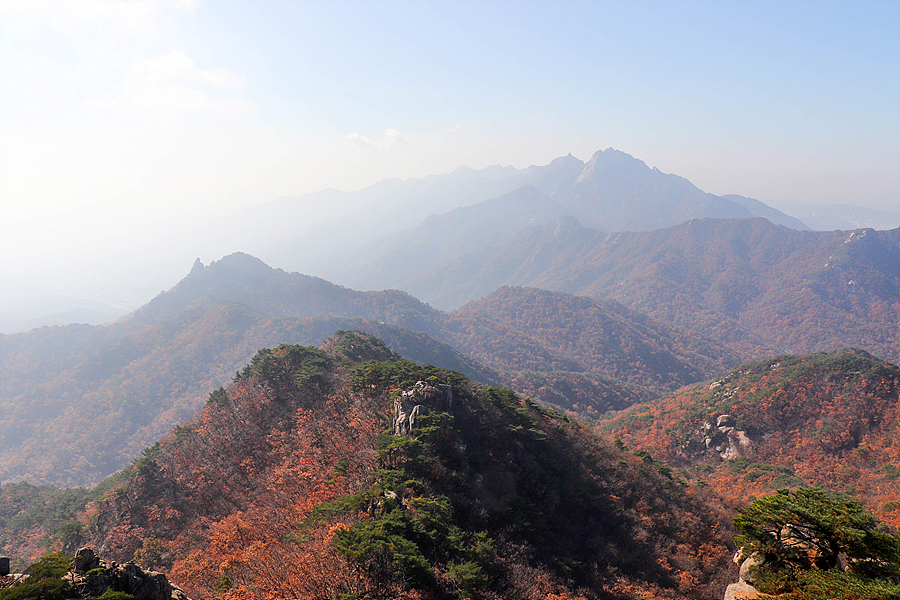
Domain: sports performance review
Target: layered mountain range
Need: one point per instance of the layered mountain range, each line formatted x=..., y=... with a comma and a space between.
x=250, y=436
x=286, y=485
x=80, y=401
x=711, y=292
x=613, y=191
x=358, y=238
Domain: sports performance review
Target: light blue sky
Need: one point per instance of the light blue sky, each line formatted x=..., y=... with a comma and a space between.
x=111, y=113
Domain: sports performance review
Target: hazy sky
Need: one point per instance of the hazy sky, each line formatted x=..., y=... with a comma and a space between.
x=121, y=111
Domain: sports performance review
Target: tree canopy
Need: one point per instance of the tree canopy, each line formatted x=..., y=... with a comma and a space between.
x=811, y=538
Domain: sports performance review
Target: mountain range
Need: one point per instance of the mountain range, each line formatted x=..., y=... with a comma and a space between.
x=324, y=232
x=825, y=419
x=703, y=296
x=80, y=401
x=567, y=381
x=285, y=485
x=757, y=287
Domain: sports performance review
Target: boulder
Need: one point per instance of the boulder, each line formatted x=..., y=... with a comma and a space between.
x=750, y=567
x=744, y=591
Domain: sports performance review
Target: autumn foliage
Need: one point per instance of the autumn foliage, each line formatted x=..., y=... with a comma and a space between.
x=290, y=484
x=827, y=419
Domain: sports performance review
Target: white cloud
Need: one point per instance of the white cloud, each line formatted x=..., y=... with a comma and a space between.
x=362, y=142
x=172, y=84
x=390, y=139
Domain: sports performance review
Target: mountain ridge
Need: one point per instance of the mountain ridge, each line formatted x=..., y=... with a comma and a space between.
x=529, y=505
x=746, y=282
x=106, y=392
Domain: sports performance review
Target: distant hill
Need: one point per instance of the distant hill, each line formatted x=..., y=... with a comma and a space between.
x=79, y=402
x=617, y=192
x=48, y=311
x=350, y=237
x=515, y=329
x=285, y=484
x=441, y=238
x=827, y=419
x=757, y=287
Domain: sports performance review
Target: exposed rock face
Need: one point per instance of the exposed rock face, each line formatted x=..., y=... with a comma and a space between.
x=420, y=400
x=750, y=567
x=743, y=589
x=91, y=577
x=725, y=439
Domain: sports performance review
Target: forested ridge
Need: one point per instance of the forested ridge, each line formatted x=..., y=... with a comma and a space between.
x=752, y=286
x=827, y=419
x=291, y=483
x=276, y=473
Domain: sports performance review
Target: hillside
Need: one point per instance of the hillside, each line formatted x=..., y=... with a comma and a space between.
x=753, y=286
x=827, y=419
x=515, y=329
x=287, y=485
x=441, y=238
x=80, y=402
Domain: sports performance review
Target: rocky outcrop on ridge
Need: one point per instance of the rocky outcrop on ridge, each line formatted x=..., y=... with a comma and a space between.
x=92, y=577
x=420, y=400
x=725, y=439
x=743, y=589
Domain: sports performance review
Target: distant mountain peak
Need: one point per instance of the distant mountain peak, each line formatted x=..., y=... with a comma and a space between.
x=243, y=261
x=612, y=162
x=197, y=269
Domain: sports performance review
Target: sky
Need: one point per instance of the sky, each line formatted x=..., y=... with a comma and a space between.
x=118, y=114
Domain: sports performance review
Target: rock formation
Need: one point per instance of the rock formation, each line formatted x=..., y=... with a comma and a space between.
x=743, y=589
x=725, y=439
x=420, y=400
x=91, y=577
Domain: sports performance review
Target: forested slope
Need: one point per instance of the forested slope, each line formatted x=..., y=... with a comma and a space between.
x=755, y=287
x=288, y=485
x=80, y=402
x=827, y=419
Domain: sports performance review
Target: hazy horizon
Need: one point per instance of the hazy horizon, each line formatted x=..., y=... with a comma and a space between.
x=126, y=128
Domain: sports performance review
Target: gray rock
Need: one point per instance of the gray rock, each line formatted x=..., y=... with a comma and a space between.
x=750, y=567
x=725, y=421
x=92, y=577
x=420, y=400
